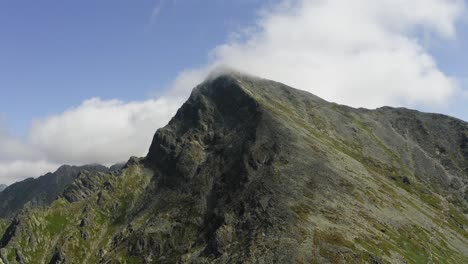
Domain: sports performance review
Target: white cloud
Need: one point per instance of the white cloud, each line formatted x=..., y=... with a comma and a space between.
x=13, y=148
x=13, y=171
x=18, y=160
x=362, y=53
x=101, y=131
x=97, y=131
x=365, y=53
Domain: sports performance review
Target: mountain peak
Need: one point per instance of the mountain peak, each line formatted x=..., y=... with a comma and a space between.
x=253, y=171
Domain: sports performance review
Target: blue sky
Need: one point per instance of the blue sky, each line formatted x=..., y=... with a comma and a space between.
x=92, y=80
x=452, y=58
x=55, y=54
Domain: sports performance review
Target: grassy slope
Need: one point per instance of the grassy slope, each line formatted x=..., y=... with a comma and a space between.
x=81, y=229
x=385, y=215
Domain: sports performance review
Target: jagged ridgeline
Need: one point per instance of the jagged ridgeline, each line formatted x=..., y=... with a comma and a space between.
x=253, y=171
x=43, y=190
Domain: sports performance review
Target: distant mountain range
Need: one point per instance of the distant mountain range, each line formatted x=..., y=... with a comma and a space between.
x=43, y=190
x=253, y=171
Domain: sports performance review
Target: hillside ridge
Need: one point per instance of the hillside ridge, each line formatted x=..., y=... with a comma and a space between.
x=253, y=171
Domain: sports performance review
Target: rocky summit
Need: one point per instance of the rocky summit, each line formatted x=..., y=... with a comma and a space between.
x=253, y=171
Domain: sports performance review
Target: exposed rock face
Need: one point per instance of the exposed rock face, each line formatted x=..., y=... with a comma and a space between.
x=41, y=191
x=117, y=167
x=252, y=171
x=2, y=187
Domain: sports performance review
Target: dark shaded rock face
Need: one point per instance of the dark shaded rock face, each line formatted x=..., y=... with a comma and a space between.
x=2, y=187
x=215, y=155
x=41, y=191
x=253, y=171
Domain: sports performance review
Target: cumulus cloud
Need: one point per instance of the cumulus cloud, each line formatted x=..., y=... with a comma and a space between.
x=13, y=148
x=365, y=53
x=101, y=131
x=97, y=131
x=13, y=171
x=19, y=160
x=362, y=53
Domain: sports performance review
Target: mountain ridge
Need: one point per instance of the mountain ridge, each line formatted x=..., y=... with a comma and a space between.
x=250, y=170
x=42, y=191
